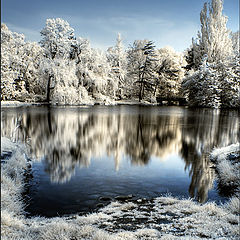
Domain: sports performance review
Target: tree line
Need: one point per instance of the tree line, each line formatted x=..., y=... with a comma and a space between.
x=65, y=69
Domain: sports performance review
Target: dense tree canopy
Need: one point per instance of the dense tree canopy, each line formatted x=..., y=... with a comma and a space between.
x=65, y=69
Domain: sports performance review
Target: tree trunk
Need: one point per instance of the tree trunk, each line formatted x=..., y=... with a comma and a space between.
x=48, y=88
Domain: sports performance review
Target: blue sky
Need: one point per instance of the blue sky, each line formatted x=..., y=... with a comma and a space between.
x=166, y=22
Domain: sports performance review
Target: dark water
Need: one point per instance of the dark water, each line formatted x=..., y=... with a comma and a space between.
x=85, y=153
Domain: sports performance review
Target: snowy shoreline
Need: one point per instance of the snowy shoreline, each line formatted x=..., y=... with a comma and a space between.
x=160, y=218
x=120, y=102
x=227, y=163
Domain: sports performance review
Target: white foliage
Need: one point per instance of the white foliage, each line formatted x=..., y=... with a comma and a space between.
x=224, y=151
x=229, y=76
x=136, y=58
x=65, y=84
x=12, y=45
x=235, y=37
x=228, y=171
x=234, y=205
x=19, y=66
x=142, y=69
x=93, y=69
x=57, y=38
x=170, y=69
x=203, y=87
x=216, y=81
x=214, y=38
x=65, y=70
x=117, y=59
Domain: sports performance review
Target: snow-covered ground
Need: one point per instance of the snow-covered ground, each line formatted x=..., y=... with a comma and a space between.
x=227, y=161
x=17, y=104
x=160, y=218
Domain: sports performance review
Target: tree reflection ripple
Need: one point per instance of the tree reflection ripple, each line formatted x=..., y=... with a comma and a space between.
x=67, y=138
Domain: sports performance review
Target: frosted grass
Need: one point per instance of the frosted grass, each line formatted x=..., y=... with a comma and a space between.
x=227, y=165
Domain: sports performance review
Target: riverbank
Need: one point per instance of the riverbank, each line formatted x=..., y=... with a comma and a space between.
x=18, y=104
x=227, y=163
x=159, y=218
x=107, y=103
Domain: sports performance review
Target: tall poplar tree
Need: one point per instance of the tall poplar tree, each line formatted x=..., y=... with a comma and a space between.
x=215, y=82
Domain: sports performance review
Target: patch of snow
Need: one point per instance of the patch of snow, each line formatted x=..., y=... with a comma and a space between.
x=17, y=104
x=227, y=163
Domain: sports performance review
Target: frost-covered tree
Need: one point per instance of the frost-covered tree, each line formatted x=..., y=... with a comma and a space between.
x=136, y=60
x=118, y=61
x=31, y=61
x=19, y=66
x=228, y=75
x=214, y=37
x=93, y=71
x=57, y=35
x=214, y=85
x=148, y=73
x=235, y=37
x=59, y=67
x=170, y=72
x=11, y=49
x=64, y=85
x=215, y=82
x=84, y=62
x=100, y=75
x=58, y=38
x=141, y=66
x=203, y=87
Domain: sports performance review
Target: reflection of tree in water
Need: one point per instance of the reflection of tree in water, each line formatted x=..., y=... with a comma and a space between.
x=149, y=135
x=204, y=129
x=67, y=139
x=138, y=140
x=200, y=171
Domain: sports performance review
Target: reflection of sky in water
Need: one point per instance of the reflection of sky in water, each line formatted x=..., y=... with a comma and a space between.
x=85, y=153
x=100, y=178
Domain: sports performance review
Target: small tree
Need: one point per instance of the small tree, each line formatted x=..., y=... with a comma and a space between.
x=142, y=60
x=117, y=59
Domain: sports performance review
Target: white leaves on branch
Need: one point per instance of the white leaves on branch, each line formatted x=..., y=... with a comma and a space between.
x=117, y=59
x=214, y=39
x=19, y=66
x=170, y=71
x=57, y=38
x=235, y=37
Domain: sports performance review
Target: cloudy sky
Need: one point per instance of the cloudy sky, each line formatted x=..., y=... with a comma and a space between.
x=166, y=22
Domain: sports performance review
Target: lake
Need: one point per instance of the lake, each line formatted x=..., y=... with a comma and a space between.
x=84, y=157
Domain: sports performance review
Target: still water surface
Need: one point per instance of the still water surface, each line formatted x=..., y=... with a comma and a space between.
x=85, y=153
